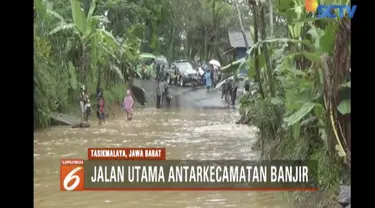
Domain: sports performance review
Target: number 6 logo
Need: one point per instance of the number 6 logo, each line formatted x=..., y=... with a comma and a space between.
x=71, y=178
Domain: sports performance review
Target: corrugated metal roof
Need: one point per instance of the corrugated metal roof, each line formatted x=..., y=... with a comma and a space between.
x=236, y=39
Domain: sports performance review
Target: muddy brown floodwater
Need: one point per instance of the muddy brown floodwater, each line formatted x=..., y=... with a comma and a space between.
x=186, y=134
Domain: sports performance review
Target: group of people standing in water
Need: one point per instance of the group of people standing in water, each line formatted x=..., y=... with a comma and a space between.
x=127, y=104
x=212, y=76
x=228, y=88
x=85, y=106
x=163, y=98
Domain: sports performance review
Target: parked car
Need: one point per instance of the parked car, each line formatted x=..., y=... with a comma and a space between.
x=181, y=73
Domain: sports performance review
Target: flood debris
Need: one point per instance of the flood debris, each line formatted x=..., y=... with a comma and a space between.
x=81, y=125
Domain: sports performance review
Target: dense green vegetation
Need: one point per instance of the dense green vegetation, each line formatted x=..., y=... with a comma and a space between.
x=96, y=43
x=299, y=65
x=302, y=84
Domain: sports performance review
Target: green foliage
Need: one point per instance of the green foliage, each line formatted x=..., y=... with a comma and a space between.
x=296, y=75
x=344, y=107
x=71, y=49
x=102, y=47
x=302, y=118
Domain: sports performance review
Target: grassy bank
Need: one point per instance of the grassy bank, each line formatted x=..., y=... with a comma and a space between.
x=305, y=140
x=301, y=95
x=113, y=96
x=330, y=173
x=330, y=170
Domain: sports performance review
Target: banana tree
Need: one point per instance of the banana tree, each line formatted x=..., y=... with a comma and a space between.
x=91, y=41
x=302, y=100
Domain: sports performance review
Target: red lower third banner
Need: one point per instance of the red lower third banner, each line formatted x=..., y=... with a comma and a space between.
x=180, y=175
x=126, y=154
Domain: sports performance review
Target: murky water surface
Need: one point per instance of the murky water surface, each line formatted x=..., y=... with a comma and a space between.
x=187, y=134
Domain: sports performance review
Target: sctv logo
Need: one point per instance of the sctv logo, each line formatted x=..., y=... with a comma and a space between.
x=330, y=11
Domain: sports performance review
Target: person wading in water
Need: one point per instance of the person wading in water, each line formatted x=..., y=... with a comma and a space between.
x=157, y=87
x=234, y=90
x=160, y=85
x=208, y=79
x=226, y=90
x=128, y=105
x=212, y=70
x=165, y=96
x=84, y=103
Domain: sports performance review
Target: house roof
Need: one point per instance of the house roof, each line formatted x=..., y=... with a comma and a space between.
x=236, y=39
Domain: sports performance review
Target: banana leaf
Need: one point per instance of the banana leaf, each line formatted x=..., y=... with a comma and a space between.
x=232, y=67
x=239, y=78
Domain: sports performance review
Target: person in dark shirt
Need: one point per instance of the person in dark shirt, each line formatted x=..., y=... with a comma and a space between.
x=226, y=90
x=158, y=94
x=159, y=72
x=165, y=96
x=212, y=70
x=157, y=69
x=234, y=87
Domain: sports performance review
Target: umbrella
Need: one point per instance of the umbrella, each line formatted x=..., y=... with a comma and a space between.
x=139, y=94
x=147, y=55
x=215, y=63
x=162, y=60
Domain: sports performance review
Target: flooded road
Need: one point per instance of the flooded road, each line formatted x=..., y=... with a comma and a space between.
x=185, y=133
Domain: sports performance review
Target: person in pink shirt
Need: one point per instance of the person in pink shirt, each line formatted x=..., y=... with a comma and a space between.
x=128, y=105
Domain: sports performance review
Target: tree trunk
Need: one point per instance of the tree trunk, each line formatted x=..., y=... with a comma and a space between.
x=208, y=52
x=269, y=70
x=186, y=40
x=214, y=32
x=205, y=44
x=265, y=51
x=241, y=25
x=99, y=79
x=146, y=46
x=256, y=60
x=218, y=56
x=172, y=44
x=271, y=17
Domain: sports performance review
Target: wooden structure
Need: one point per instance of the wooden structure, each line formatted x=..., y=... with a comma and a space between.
x=237, y=49
x=237, y=44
